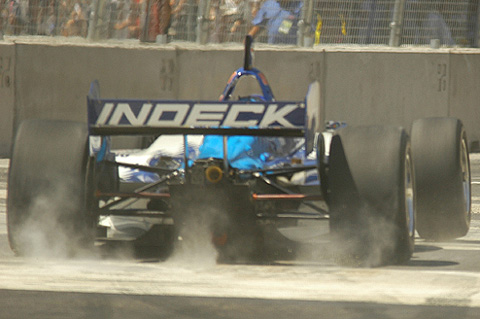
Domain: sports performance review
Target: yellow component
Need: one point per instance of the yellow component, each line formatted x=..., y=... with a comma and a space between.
x=296, y=160
x=344, y=24
x=214, y=174
x=318, y=30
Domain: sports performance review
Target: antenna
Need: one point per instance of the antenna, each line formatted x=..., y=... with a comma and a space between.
x=247, y=65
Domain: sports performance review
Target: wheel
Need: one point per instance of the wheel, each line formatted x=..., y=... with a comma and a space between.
x=321, y=164
x=47, y=189
x=371, y=196
x=442, y=172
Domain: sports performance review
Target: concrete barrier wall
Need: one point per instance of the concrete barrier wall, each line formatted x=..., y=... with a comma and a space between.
x=359, y=86
x=384, y=87
x=204, y=73
x=464, y=97
x=52, y=81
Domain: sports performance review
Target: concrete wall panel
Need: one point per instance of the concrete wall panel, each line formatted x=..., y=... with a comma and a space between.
x=385, y=87
x=290, y=74
x=465, y=91
x=204, y=73
x=53, y=81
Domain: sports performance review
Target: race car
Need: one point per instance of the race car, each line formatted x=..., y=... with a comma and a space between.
x=255, y=172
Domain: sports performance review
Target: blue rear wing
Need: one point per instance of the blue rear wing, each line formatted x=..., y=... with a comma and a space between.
x=147, y=117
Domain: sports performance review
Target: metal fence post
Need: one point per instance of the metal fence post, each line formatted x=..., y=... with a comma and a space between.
x=396, y=25
x=92, y=25
x=476, y=26
x=305, y=30
x=202, y=21
x=191, y=20
x=98, y=28
x=145, y=21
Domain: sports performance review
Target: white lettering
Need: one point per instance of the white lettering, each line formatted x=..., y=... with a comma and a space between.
x=123, y=109
x=180, y=111
x=206, y=115
x=236, y=109
x=273, y=114
x=106, y=111
x=197, y=115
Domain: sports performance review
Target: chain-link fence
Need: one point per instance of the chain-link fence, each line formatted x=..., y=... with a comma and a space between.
x=301, y=22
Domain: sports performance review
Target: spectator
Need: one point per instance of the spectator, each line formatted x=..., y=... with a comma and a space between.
x=234, y=19
x=38, y=12
x=116, y=12
x=280, y=20
x=14, y=17
x=184, y=19
x=246, y=11
x=213, y=20
x=64, y=10
x=224, y=15
x=46, y=18
x=132, y=21
x=77, y=24
x=178, y=18
x=159, y=22
x=3, y=18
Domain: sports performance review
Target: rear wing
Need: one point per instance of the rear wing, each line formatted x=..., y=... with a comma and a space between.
x=227, y=118
x=147, y=117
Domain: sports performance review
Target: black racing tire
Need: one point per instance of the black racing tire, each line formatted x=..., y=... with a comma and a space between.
x=322, y=166
x=371, y=196
x=442, y=173
x=47, y=204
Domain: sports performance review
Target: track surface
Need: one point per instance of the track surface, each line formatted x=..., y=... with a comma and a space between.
x=441, y=281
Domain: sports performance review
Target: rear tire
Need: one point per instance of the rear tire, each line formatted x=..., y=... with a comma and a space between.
x=371, y=196
x=442, y=172
x=47, y=211
x=322, y=165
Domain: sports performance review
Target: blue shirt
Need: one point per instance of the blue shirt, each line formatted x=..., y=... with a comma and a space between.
x=272, y=15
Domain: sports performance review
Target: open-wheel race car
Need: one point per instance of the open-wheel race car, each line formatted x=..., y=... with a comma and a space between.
x=256, y=171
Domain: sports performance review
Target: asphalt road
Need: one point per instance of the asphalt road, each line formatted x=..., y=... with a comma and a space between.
x=442, y=280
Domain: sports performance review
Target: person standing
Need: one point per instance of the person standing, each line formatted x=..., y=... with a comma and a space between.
x=279, y=19
x=159, y=21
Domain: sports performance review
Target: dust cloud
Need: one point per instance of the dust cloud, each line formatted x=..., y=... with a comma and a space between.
x=194, y=246
x=52, y=224
x=49, y=231
x=370, y=240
